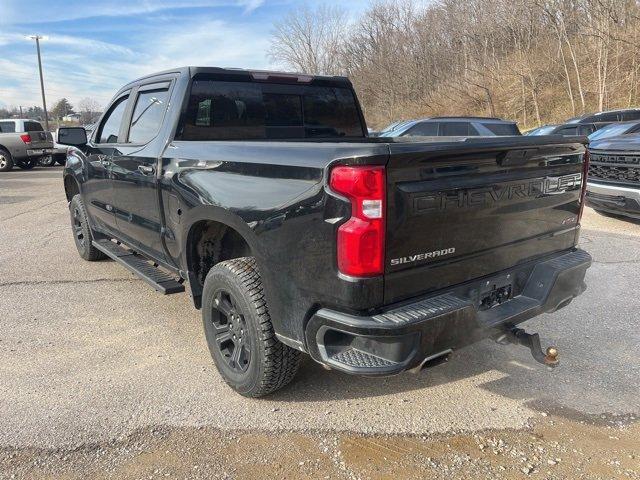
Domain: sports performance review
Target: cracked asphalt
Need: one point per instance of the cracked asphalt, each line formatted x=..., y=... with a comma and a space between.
x=91, y=357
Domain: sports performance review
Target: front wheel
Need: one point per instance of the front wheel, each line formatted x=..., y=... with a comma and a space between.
x=82, y=234
x=239, y=331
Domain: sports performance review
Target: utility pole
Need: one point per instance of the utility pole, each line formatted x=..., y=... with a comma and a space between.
x=37, y=38
x=21, y=112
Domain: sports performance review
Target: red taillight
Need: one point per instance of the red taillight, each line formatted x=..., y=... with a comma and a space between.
x=585, y=176
x=26, y=138
x=361, y=238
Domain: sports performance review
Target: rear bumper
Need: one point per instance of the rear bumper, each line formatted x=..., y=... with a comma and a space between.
x=614, y=199
x=402, y=336
x=39, y=152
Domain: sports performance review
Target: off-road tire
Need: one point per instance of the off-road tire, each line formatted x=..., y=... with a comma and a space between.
x=6, y=160
x=272, y=364
x=82, y=234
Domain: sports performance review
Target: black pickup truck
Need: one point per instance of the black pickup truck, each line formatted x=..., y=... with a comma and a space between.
x=295, y=232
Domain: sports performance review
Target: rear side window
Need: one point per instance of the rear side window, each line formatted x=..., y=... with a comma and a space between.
x=148, y=114
x=33, y=127
x=110, y=126
x=502, y=129
x=454, y=129
x=7, y=127
x=220, y=110
x=425, y=129
x=634, y=115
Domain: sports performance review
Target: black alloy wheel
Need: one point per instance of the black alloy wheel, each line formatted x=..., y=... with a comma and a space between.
x=232, y=335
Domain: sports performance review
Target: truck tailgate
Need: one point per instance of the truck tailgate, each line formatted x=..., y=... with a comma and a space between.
x=459, y=210
x=40, y=140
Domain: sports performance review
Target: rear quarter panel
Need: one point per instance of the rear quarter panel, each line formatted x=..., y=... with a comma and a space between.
x=274, y=195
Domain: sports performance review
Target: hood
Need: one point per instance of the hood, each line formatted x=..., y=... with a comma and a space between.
x=629, y=143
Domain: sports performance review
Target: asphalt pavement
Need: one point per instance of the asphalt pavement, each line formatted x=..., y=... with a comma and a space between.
x=89, y=353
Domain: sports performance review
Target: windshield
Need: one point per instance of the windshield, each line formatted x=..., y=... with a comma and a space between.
x=395, y=126
x=542, y=130
x=610, y=131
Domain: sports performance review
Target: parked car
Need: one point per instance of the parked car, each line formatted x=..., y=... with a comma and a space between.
x=23, y=142
x=605, y=118
x=616, y=129
x=452, y=126
x=570, y=129
x=297, y=233
x=614, y=175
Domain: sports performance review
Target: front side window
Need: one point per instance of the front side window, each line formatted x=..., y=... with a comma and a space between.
x=110, y=127
x=7, y=127
x=222, y=110
x=148, y=114
x=424, y=129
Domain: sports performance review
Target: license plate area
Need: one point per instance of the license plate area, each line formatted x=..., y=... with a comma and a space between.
x=495, y=291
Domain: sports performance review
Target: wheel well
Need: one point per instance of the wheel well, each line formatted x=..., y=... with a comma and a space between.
x=71, y=187
x=210, y=243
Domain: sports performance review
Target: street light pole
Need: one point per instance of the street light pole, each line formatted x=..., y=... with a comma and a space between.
x=37, y=38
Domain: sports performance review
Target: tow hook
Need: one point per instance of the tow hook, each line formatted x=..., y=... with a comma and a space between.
x=532, y=341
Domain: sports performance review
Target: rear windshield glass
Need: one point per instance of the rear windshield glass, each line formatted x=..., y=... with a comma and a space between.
x=502, y=128
x=32, y=127
x=219, y=110
x=7, y=127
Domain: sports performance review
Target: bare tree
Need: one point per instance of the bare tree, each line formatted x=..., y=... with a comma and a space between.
x=89, y=110
x=537, y=61
x=309, y=39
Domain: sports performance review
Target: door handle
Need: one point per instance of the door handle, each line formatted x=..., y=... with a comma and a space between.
x=146, y=169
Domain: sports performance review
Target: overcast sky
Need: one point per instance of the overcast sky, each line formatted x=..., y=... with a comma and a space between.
x=94, y=47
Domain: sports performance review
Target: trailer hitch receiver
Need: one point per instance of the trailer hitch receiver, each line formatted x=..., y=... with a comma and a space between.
x=532, y=341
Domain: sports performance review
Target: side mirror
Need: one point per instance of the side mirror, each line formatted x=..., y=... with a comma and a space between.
x=74, y=136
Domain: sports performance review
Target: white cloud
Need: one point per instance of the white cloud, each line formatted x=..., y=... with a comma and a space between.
x=78, y=67
x=38, y=11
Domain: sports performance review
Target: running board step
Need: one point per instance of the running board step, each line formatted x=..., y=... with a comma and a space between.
x=161, y=281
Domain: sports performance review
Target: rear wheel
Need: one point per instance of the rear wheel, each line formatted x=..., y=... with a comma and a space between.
x=82, y=234
x=239, y=331
x=27, y=164
x=47, y=161
x=6, y=161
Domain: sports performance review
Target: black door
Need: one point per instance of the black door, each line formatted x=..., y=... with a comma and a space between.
x=134, y=172
x=98, y=188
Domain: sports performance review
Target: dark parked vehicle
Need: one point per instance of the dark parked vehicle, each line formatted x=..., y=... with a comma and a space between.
x=614, y=175
x=610, y=116
x=615, y=130
x=570, y=129
x=297, y=233
x=452, y=127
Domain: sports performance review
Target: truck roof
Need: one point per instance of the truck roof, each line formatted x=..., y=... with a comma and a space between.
x=255, y=74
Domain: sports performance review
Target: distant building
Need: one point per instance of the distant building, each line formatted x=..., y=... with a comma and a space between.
x=72, y=117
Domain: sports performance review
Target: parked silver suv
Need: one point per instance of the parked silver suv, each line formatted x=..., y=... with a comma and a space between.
x=23, y=143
